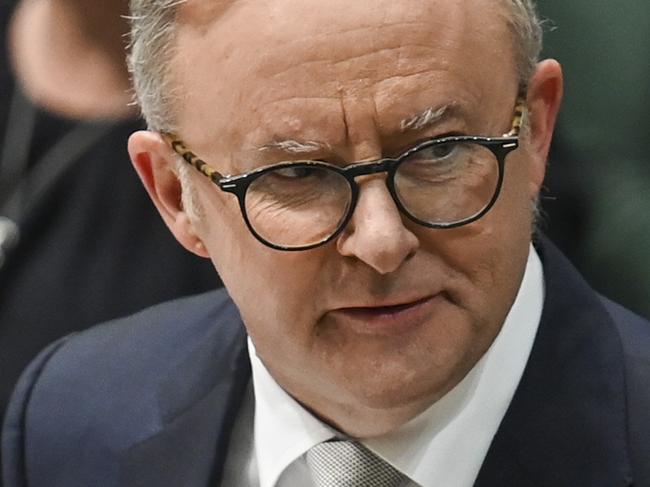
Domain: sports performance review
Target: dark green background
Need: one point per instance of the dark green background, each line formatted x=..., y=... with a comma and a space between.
x=598, y=195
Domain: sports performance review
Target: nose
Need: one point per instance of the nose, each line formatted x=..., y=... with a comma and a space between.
x=376, y=234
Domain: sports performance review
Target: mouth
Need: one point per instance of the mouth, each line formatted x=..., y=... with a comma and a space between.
x=396, y=318
x=384, y=310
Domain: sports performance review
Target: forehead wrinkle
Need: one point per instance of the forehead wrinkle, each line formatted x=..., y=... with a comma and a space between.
x=380, y=43
x=370, y=40
x=399, y=52
x=405, y=60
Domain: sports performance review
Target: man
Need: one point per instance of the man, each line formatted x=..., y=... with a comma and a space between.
x=399, y=326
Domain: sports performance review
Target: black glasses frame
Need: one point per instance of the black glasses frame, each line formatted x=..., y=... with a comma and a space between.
x=239, y=184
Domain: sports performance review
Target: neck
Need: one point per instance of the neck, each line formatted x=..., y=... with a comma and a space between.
x=69, y=56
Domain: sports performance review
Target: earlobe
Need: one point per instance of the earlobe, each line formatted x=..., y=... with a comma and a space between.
x=154, y=162
x=544, y=97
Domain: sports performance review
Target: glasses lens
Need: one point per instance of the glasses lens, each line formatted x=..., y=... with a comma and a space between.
x=299, y=205
x=447, y=183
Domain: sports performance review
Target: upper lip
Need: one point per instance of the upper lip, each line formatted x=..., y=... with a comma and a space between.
x=386, y=302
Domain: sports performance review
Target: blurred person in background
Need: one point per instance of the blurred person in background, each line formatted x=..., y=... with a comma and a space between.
x=80, y=241
x=597, y=201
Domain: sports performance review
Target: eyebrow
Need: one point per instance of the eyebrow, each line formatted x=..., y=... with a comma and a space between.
x=427, y=118
x=294, y=146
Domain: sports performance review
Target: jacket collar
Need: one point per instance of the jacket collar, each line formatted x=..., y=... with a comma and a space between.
x=566, y=424
x=198, y=405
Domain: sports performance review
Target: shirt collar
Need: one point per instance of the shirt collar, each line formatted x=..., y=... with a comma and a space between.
x=460, y=425
x=284, y=430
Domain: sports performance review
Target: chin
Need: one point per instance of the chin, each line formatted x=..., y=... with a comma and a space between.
x=373, y=413
x=408, y=390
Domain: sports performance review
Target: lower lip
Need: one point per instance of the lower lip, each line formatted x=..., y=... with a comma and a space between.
x=389, y=319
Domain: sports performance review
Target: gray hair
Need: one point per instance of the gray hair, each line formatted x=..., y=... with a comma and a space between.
x=152, y=48
x=528, y=36
x=150, y=52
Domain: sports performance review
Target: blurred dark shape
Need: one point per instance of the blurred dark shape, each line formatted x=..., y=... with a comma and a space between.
x=92, y=247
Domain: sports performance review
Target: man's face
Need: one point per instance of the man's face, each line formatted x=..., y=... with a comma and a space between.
x=391, y=315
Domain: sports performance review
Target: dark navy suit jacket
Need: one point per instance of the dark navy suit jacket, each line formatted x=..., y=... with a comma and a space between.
x=150, y=400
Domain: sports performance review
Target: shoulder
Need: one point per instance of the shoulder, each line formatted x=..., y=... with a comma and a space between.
x=615, y=344
x=569, y=297
x=98, y=392
x=634, y=333
x=633, y=330
x=150, y=340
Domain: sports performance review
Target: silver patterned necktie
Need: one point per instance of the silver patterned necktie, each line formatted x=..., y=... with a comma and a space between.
x=343, y=463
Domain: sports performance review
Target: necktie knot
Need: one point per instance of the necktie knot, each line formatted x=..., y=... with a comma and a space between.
x=342, y=463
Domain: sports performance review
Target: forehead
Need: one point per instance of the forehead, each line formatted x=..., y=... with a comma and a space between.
x=249, y=71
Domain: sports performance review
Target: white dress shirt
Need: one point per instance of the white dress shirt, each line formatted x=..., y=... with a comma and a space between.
x=443, y=446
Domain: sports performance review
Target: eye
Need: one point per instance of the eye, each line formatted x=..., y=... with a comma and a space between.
x=298, y=172
x=438, y=151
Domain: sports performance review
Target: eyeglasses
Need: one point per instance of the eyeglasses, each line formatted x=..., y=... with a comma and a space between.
x=440, y=183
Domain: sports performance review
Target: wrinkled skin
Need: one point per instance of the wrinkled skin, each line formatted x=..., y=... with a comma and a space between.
x=250, y=73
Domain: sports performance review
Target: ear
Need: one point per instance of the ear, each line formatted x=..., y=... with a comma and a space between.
x=154, y=160
x=544, y=97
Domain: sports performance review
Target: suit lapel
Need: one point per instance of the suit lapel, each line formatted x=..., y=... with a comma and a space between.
x=198, y=407
x=566, y=425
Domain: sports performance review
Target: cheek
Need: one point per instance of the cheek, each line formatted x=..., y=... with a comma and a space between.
x=276, y=292
x=506, y=236
x=487, y=258
x=279, y=298
x=523, y=178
